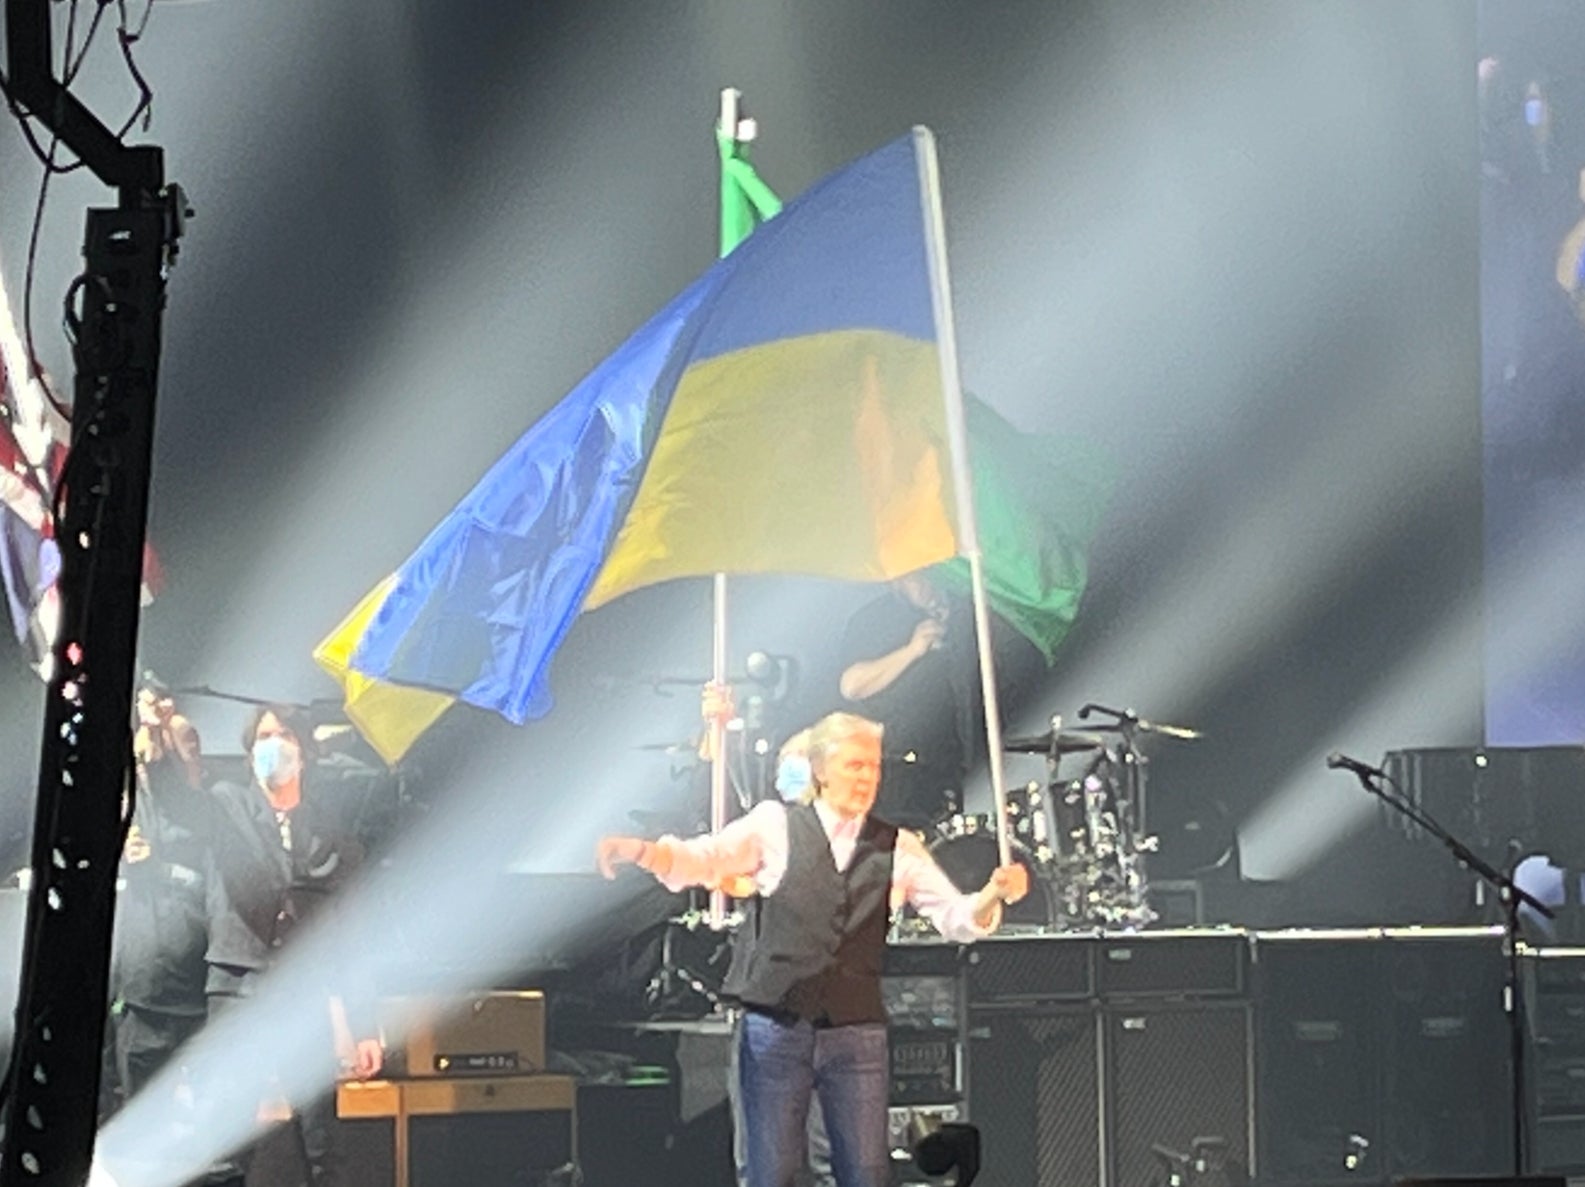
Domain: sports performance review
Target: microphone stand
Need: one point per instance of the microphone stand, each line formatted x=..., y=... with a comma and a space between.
x=1380, y=785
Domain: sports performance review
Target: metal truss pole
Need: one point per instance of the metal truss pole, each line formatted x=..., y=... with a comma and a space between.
x=116, y=305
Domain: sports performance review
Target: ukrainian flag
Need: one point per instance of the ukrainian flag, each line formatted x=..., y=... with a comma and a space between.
x=785, y=413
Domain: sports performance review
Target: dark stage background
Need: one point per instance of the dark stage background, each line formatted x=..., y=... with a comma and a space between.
x=1232, y=246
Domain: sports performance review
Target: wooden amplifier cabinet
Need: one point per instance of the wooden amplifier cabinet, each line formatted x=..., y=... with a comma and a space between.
x=482, y=1034
x=498, y=1131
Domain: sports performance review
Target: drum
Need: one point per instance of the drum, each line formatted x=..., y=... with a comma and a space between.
x=968, y=857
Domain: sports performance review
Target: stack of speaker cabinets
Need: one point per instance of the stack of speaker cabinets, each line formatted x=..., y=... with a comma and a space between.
x=1095, y=1059
x=1210, y=1056
x=1382, y=1055
x=473, y=1104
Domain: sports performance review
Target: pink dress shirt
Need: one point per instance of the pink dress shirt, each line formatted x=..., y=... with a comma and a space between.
x=755, y=846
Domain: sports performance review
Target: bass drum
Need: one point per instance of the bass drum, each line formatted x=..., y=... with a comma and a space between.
x=969, y=860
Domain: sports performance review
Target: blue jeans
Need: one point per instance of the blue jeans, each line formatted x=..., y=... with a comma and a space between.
x=817, y=1167
x=781, y=1066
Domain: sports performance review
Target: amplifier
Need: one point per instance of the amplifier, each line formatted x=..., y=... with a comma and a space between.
x=1185, y=963
x=926, y=1066
x=485, y=1034
x=503, y=1131
x=1031, y=969
x=1050, y=970
x=922, y=989
x=914, y=959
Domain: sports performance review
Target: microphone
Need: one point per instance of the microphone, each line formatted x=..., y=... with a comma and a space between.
x=1337, y=761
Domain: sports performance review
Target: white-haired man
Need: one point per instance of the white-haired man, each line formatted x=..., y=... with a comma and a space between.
x=806, y=964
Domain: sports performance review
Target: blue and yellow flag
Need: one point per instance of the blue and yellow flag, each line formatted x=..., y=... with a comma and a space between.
x=785, y=413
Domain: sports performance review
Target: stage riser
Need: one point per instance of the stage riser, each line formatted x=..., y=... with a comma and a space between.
x=1285, y=1047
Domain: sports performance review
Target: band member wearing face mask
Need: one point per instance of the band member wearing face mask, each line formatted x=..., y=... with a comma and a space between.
x=277, y=859
x=160, y=926
x=806, y=965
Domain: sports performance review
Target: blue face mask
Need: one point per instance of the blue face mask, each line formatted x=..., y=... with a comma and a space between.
x=276, y=761
x=793, y=776
x=1534, y=112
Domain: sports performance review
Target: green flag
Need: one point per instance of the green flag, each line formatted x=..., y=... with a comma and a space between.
x=746, y=201
x=1038, y=500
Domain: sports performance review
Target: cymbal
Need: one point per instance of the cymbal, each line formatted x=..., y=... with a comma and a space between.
x=668, y=747
x=1046, y=743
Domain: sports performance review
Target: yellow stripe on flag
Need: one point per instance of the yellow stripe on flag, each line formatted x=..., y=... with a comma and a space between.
x=825, y=455
x=389, y=716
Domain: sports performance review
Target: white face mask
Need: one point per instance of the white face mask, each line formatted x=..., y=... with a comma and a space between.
x=276, y=761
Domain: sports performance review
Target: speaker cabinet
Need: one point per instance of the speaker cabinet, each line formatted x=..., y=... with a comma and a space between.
x=1175, y=1075
x=1319, y=1046
x=1390, y=1050
x=1555, y=1009
x=1447, y=1088
x=1076, y=1096
x=1034, y=1080
x=514, y=1131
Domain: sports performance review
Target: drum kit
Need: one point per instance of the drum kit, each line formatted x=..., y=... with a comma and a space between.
x=1080, y=832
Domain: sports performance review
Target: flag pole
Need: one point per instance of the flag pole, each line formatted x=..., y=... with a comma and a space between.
x=963, y=487
x=728, y=128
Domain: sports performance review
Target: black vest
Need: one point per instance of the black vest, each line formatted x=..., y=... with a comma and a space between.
x=813, y=948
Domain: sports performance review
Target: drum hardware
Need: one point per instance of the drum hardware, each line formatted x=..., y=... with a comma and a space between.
x=967, y=854
x=1088, y=834
x=1029, y=818
x=1102, y=872
x=688, y=984
x=1129, y=721
x=1054, y=742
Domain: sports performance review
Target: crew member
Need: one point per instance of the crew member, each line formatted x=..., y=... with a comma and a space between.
x=910, y=661
x=806, y=964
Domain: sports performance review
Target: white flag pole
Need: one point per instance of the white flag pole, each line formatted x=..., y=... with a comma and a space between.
x=729, y=122
x=963, y=487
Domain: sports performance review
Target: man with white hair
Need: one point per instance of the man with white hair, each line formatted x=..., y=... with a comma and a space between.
x=823, y=878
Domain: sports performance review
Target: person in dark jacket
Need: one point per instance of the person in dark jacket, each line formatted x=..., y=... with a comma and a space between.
x=277, y=859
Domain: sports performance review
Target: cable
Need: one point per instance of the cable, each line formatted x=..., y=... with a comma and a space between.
x=25, y=121
x=73, y=59
x=127, y=39
x=70, y=69
x=29, y=275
